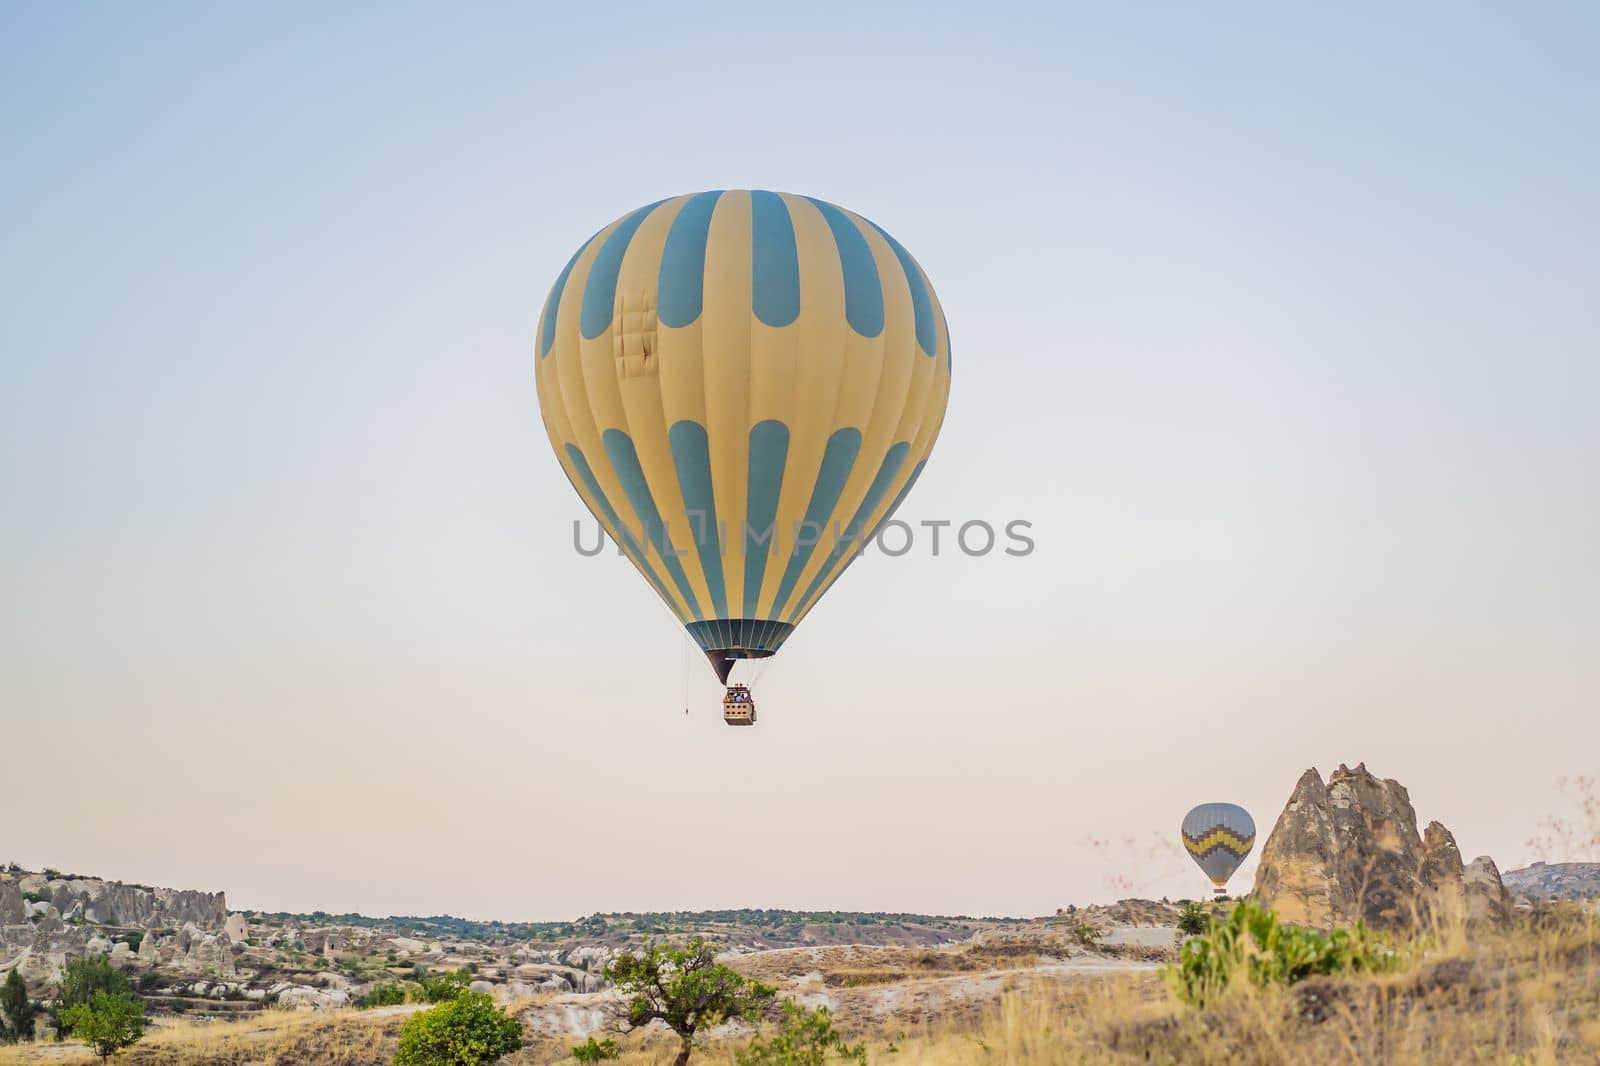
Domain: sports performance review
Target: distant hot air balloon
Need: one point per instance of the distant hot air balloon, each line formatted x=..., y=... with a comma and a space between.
x=742, y=386
x=1218, y=836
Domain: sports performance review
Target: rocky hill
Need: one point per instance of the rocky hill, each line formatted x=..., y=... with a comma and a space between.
x=1349, y=849
x=188, y=952
x=24, y=895
x=1556, y=880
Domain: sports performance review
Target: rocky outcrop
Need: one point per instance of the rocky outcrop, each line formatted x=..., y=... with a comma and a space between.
x=13, y=908
x=304, y=997
x=1349, y=850
x=541, y=977
x=114, y=903
x=1486, y=895
x=98, y=902
x=1443, y=871
x=1555, y=880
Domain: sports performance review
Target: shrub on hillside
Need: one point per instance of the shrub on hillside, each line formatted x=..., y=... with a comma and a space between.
x=108, y=1023
x=442, y=988
x=468, y=1030
x=384, y=995
x=1252, y=946
x=806, y=1038
x=1193, y=919
x=593, y=1050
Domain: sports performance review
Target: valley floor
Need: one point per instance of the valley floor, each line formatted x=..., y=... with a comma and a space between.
x=1530, y=995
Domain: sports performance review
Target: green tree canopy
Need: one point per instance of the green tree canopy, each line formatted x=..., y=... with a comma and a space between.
x=109, y=1022
x=686, y=988
x=88, y=975
x=468, y=1030
x=16, y=1009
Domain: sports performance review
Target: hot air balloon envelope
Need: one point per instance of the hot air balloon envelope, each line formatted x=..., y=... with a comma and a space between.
x=742, y=386
x=1218, y=836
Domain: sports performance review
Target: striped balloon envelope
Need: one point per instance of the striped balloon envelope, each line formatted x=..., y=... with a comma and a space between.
x=1218, y=836
x=742, y=386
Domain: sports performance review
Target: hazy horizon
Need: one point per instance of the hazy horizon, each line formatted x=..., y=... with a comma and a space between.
x=1277, y=326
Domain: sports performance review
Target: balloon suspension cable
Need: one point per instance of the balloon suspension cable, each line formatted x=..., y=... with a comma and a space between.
x=758, y=669
x=686, y=643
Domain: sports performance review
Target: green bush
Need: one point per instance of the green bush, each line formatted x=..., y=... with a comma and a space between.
x=108, y=1023
x=1087, y=934
x=468, y=1030
x=1193, y=919
x=596, y=1051
x=444, y=987
x=805, y=1039
x=1251, y=945
x=384, y=995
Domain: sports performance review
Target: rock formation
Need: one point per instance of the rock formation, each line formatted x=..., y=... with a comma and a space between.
x=1349, y=849
x=1487, y=898
x=114, y=903
x=110, y=902
x=13, y=908
x=1556, y=880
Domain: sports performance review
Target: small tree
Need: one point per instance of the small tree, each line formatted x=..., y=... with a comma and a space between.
x=108, y=1023
x=806, y=1038
x=1193, y=919
x=593, y=1050
x=686, y=988
x=468, y=1030
x=86, y=976
x=16, y=1009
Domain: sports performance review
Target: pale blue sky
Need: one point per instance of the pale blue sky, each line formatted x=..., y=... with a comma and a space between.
x=1279, y=326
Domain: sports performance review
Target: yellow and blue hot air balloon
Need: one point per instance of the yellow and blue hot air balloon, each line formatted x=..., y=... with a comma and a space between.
x=1218, y=836
x=742, y=386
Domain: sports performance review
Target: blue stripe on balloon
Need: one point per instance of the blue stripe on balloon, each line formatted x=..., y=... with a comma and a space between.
x=856, y=534
x=552, y=303
x=774, y=260
x=625, y=461
x=627, y=543
x=691, y=454
x=600, y=292
x=863, y=291
x=769, y=451
x=921, y=302
x=837, y=461
x=682, y=281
